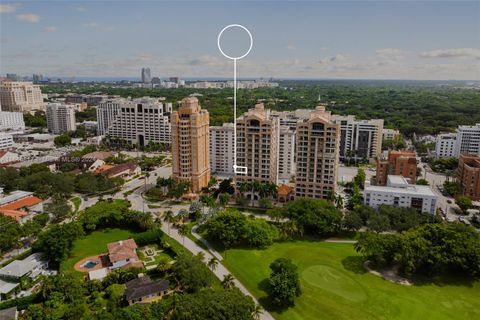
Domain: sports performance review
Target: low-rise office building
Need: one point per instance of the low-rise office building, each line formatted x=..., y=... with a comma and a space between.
x=399, y=193
x=468, y=175
x=403, y=162
x=12, y=122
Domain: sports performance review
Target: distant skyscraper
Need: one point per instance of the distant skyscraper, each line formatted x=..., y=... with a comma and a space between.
x=257, y=145
x=37, y=78
x=190, y=144
x=318, y=141
x=146, y=77
x=20, y=96
x=60, y=118
x=12, y=76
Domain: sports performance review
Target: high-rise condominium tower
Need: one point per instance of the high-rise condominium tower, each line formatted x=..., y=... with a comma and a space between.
x=190, y=144
x=257, y=145
x=360, y=139
x=107, y=110
x=146, y=77
x=318, y=141
x=20, y=96
x=60, y=118
x=141, y=121
x=221, y=149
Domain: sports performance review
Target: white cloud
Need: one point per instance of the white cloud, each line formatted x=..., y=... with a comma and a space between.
x=452, y=53
x=390, y=53
x=28, y=17
x=81, y=9
x=91, y=25
x=7, y=8
x=336, y=58
x=290, y=47
x=50, y=29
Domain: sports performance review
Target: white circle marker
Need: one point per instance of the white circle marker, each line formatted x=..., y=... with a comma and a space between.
x=236, y=169
x=234, y=26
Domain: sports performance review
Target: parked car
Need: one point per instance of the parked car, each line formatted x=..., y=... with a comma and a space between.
x=449, y=201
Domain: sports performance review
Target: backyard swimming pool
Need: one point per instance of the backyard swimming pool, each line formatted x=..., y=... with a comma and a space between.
x=89, y=264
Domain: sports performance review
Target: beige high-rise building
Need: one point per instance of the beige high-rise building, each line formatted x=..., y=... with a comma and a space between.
x=60, y=118
x=317, y=155
x=258, y=135
x=20, y=96
x=190, y=144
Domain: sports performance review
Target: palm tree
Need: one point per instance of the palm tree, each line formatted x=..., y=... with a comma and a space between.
x=213, y=263
x=339, y=201
x=183, y=231
x=201, y=255
x=228, y=281
x=168, y=218
x=183, y=214
x=257, y=312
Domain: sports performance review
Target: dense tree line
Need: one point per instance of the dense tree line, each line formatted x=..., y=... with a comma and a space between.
x=37, y=178
x=423, y=108
x=11, y=231
x=386, y=218
x=232, y=228
x=310, y=216
x=430, y=249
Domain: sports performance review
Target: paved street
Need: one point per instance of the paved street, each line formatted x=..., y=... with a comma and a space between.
x=436, y=180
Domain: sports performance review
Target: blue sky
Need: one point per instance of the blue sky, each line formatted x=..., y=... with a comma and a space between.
x=314, y=39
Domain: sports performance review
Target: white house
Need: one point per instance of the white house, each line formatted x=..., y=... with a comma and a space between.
x=398, y=192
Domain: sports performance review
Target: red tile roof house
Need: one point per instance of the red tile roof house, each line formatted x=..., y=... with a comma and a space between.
x=123, y=170
x=19, y=204
x=122, y=254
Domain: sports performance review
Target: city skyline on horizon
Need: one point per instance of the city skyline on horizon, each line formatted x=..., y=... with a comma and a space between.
x=365, y=40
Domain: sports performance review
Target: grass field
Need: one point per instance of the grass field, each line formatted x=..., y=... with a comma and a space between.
x=335, y=286
x=92, y=244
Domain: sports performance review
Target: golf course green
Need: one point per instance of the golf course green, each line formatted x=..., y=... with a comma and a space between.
x=335, y=286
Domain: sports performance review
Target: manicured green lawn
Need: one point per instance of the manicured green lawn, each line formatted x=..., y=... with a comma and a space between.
x=92, y=244
x=335, y=286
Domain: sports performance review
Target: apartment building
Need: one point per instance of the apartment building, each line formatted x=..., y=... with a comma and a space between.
x=468, y=175
x=190, y=144
x=60, y=118
x=20, y=96
x=6, y=141
x=140, y=121
x=399, y=193
x=361, y=139
x=11, y=121
x=445, y=145
x=390, y=134
x=402, y=163
x=107, y=110
x=317, y=155
x=221, y=149
x=286, y=153
x=468, y=140
x=257, y=145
